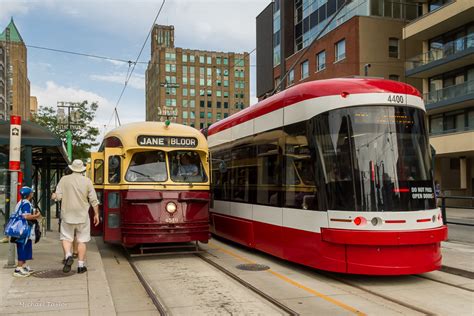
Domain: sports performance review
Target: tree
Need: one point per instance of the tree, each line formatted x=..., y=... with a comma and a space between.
x=83, y=134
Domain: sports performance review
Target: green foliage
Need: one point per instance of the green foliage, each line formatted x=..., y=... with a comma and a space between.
x=83, y=134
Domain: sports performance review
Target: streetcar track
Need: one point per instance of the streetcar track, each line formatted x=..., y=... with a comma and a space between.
x=149, y=290
x=247, y=285
x=445, y=283
x=385, y=297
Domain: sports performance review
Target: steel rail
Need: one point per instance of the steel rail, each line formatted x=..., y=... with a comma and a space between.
x=149, y=290
x=248, y=285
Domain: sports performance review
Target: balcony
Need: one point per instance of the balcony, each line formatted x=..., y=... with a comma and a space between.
x=452, y=55
x=459, y=94
x=446, y=18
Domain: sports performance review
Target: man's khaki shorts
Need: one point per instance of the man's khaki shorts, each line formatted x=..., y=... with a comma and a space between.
x=82, y=231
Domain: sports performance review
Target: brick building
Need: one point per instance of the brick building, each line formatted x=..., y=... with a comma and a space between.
x=364, y=32
x=14, y=82
x=193, y=87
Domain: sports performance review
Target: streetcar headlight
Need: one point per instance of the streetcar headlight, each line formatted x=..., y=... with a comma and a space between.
x=171, y=207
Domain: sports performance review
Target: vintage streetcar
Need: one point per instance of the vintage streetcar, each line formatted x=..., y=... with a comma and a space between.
x=333, y=174
x=152, y=179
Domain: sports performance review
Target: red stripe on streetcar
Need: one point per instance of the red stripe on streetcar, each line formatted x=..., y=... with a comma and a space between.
x=14, y=165
x=395, y=221
x=422, y=220
x=312, y=90
x=341, y=220
x=401, y=190
x=15, y=120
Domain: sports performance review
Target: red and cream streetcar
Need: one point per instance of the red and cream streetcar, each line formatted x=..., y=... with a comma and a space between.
x=153, y=180
x=333, y=174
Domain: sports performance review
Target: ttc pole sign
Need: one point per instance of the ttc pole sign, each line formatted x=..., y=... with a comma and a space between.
x=15, y=143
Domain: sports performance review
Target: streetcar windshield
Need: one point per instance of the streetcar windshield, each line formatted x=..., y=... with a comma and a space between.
x=375, y=158
x=186, y=166
x=147, y=166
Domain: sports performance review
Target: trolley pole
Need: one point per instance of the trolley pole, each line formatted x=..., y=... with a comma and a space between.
x=14, y=166
x=68, y=106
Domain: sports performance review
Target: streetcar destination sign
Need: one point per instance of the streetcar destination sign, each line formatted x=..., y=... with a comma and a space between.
x=167, y=141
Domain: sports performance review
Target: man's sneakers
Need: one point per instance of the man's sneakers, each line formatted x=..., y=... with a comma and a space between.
x=21, y=273
x=28, y=269
x=67, y=264
x=81, y=270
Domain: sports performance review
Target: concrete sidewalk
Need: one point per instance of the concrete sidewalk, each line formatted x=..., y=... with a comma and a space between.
x=49, y=291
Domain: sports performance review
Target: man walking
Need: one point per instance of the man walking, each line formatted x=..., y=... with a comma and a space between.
x=76, y=193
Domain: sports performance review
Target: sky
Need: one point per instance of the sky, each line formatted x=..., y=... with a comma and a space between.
x=118, y=29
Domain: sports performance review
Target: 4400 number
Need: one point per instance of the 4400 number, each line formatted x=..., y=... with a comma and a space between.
x=396, y=99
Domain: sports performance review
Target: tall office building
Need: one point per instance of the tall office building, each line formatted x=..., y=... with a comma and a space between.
x=445, y=33
x=193, y=87
x=365, y=37
x=14, y=83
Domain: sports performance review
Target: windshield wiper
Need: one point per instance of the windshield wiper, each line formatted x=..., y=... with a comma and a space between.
x=142, y=174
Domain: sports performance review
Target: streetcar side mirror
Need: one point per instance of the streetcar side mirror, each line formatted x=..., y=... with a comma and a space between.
x=222, y=167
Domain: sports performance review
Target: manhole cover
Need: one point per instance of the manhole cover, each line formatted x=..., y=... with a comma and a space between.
x=51, y=274
x=252, y=267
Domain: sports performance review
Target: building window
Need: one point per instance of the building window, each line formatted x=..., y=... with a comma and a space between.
x=219, y=93
x=291, y=77
x=202, y=115
x=218, y=104
x=185, y=92
x=201, y=103
x=394, y=77
x=185, y=58
x=321, y=61
x=226, y=83
x=192, y=103
x=185, y=103
x=209, y=104
x=201, y=81
x=218, y=60
x=226, y=105
x=209, y=82
x=226, y=61
x=209, y=115
x=185, y=114
x=201, y=125
x=170, y=68
x=185, y=80
x=192, y=92
x=191, y=58
x=226, y=94
x=219, y=116
x=201, y=59
x=340, y=50
x=305, y=69
x=393, y=47
x=226, y=115
x=209, y=60
x=192, y=115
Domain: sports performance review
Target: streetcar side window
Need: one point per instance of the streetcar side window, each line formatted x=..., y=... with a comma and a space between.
x=98, y=171
x=299, y=188
x=114, y=169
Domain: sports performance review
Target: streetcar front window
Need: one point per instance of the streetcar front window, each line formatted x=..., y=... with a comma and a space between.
x=147, y=166
x=375, y=158
x=186, y=166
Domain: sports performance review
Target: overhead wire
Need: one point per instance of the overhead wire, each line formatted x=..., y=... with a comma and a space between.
x=134, y=64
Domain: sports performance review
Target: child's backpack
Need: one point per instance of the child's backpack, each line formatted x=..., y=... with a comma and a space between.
x=17, y=226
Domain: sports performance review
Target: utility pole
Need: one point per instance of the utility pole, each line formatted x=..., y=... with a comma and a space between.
x=67, y=105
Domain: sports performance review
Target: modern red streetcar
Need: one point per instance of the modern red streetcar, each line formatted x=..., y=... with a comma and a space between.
x=333, y=174
x=153, y=181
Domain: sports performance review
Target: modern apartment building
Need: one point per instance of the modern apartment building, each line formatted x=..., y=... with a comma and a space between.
x=14, y=83
x=193, y=87
x=445, y=33
x=364, y=38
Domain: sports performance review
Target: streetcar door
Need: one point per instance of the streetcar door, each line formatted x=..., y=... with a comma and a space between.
x=112, y=199
x=96, y=174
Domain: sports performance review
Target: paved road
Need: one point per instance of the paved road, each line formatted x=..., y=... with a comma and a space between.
x=460, y=233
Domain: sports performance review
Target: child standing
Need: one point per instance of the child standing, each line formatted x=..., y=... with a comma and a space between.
x=25, y=250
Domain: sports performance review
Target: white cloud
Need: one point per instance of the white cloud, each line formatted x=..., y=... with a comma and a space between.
x=137, y=81
x=11, y=8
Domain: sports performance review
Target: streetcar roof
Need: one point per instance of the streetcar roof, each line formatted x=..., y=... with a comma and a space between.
x=314, y=89
x=129, y=133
